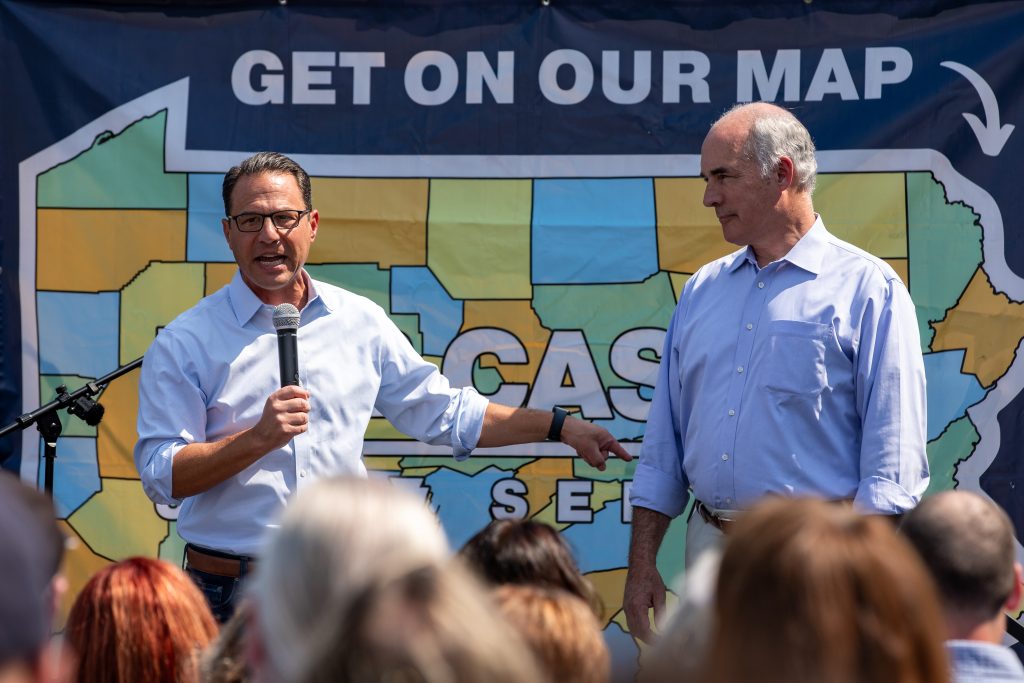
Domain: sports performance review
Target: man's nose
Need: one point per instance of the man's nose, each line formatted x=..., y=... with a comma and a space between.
x=711, y=197
x=268, y=231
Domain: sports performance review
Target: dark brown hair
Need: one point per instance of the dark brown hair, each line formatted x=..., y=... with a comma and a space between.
x=267, y=163
x=527, y=552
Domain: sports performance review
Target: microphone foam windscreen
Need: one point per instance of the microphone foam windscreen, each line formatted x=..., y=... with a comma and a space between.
x=286, y=317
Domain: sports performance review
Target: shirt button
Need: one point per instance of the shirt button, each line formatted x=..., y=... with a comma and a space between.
x=728, y=500
x=731, y=412
x=725, y=456
x=750, y=326
x=739, y=368
x=760, y=285
x=302, y=473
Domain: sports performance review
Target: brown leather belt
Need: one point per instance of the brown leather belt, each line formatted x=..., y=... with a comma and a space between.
x=233, y=566
x=720, y=523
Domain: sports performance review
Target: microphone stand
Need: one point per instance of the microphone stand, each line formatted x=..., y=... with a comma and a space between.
x=79, y=403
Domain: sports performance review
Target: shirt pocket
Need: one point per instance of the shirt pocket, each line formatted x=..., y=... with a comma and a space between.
x=795, y=358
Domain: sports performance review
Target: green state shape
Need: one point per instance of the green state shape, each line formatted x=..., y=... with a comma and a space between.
x=172, y=548
x=486, y=380
x=604, y=312
x=155, y=297
x=944, y=250
x=366, y=279
x=946, y=452
x=123, y=171
x=478, y=237
x=119, y=521
x=672, y=555
x=470, y=466
x=70, y=426
x=614, y=470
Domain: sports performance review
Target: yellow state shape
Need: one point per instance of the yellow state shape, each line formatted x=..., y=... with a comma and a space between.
x=380, y=429
x=688, y=232
x=541, y=477
x=479, y=238
x=609, y=585
x=987, y=325
x=519, y=318
x=116, y=435
x=678, y=280
x=218, y=275
x=548, y=515
x=101, y=250
x=80, y=564
x=365, y=220
x=156, y=297
x=383, y=463
x=865, y=209
x=902, y=268
x=120, y=521
x=604, y=493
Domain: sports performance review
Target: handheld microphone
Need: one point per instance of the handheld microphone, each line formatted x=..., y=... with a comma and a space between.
x=286, y=322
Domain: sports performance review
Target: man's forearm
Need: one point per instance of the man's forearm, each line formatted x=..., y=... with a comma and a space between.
x=648, y=531
x=198, y=467
x=505, y=425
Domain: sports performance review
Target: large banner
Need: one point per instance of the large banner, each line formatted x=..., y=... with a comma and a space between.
x=516, y=183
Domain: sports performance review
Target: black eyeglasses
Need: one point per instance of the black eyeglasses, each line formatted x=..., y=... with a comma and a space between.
x=282, y=220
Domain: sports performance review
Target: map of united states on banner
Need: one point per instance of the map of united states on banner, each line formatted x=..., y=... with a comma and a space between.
x=552, y=288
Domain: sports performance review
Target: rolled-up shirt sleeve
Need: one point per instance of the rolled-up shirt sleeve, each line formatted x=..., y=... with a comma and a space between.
x=892, y=402
x=420, y=402
x=172, y=414
x=659, y=482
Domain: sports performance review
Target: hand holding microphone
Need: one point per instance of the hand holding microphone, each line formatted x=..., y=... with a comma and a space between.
x=286, y=412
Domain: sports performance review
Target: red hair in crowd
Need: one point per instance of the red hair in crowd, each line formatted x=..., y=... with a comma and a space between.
x=140, y=620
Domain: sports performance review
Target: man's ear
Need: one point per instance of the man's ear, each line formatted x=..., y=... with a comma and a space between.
x=226, y=225
x=1012, y=603
x=785, y=173
x=314, y=224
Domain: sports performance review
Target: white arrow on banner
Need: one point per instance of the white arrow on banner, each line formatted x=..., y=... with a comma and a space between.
x=991, y=136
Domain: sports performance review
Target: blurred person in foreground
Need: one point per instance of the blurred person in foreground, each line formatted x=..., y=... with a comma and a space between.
x=967, y=543
x=26, y=596
x=138, y=620
x=525, y=552
x=357, y=585
x=560, y=629
x=814, y=592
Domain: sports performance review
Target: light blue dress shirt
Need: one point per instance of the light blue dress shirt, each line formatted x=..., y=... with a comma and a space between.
x=977, y=662
x=804, y=377
x=208, y=374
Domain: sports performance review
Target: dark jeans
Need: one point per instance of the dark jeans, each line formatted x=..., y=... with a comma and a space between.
x=221, y=592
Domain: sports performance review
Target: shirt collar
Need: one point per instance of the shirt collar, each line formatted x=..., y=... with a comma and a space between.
x=807, y=253
x=245, y=304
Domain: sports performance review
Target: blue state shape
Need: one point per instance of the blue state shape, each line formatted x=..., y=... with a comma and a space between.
x=205, y=210
x=950, y=391
x=625, y=654
x=622, y=428
x=588, y=231
x=463, y=502
x=78, y=333
x=76, y=474
x=604, y=543
x=414, y=289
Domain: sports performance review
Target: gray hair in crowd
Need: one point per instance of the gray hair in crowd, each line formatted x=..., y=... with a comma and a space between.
x=776, y=133
x=357, y=584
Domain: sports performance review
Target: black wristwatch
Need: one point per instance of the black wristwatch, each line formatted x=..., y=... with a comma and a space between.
x=555, y=432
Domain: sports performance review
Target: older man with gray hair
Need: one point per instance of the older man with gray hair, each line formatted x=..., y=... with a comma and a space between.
x=791, y=367
x=967, y=543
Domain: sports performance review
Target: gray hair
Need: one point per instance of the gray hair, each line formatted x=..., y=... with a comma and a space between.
x=776, y=133
x=267, y=162
x=356, y=585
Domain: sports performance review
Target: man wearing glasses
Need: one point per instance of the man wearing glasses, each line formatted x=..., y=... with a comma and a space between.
x=219, y=437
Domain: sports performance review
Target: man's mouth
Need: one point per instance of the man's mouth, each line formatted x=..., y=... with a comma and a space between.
x=271, y=259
